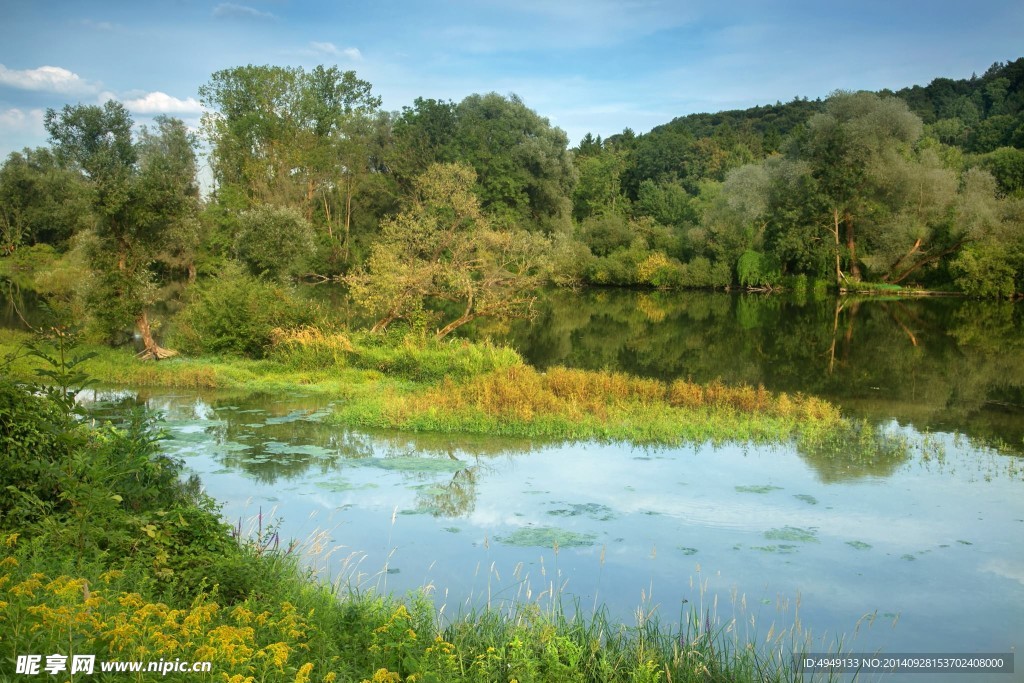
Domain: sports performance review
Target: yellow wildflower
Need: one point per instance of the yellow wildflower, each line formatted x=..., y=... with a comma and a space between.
x=26, y=589
x=108, y=576
x=331, y=677
x=238, y=678
x=131, y=600
x=8, y=562
x=303, y=675
x=279, y=653
x=11, y=540
x=241, y=615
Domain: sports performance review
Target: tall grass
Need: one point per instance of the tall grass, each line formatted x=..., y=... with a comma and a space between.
x=479, y=388
x=581, y=404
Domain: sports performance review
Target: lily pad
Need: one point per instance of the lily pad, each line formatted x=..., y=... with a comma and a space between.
x=859, y=545
x=758, y=488
x=807, y=498
x=781, y=549
x=596, y=511
x=687, y=551
x=546, y=537
x=792, y=534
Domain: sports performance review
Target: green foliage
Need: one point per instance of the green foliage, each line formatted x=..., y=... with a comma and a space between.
x=273, y=241
x=984, y=270
x=236, y=313
x=756, y=270
x=41, y=202
x=444, y=247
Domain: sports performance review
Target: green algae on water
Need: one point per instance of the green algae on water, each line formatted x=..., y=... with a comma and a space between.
x=792, y=534
x=758, y=488
x=546, y=537
x=595, y=511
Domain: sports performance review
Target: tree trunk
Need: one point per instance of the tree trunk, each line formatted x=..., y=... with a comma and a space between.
x=191, y=273
x=835, y=234
x=348, y=216
x=851, y=245
x=152, y=350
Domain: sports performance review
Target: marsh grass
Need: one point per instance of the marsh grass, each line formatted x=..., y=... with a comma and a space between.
x=581, y=404
x=401, y=383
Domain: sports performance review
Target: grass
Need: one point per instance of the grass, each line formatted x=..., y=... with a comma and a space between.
x=300, y=630
x=111, y=555
x=461, y=387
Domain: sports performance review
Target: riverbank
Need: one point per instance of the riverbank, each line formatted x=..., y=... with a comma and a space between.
x=107, y=553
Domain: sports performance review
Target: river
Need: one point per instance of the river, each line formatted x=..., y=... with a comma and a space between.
x=920, y=552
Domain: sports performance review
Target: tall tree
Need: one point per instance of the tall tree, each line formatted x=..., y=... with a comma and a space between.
x=41, y=201
x=841, y=144
x=141, y=194
x=443, y=247
x=293, y=138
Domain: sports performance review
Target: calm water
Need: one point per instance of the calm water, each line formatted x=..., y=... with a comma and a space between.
x=921, y=553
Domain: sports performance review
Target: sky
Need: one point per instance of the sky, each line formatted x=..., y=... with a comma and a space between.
x=587, y=65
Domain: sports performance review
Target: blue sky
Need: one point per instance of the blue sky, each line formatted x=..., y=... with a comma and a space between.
x=587, y=65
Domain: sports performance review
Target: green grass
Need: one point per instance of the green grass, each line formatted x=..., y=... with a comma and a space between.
x=111, y=554
x=460, y=387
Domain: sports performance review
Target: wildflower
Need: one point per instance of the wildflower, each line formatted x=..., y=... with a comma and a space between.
x=279, y=653
x=131, y=600
x=303, y=675
x=11, y=540
x=8, y=562
x=26, y=589
x=108, y=576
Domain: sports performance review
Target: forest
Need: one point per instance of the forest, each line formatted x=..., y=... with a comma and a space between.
x=472, y=205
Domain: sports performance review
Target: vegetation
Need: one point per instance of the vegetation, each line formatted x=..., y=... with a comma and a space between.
x=106, y=552
x=921, y=187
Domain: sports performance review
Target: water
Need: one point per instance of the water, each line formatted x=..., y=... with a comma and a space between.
x=919, y=553
x=922, y=556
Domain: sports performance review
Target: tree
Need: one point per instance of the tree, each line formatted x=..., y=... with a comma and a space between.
x=273, y=240
x=41, y=202
x=524, y=171
x=293, y=138
x=140, y=193
x=841, y=145
x=599, y=190
x=444, y=248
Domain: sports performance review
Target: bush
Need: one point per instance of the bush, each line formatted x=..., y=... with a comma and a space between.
x=236, y=313
x=274, y=241
x=755, y=270
x=984, y=271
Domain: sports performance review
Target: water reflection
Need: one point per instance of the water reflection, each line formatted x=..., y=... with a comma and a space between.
x=859, y=530
x=942, y=364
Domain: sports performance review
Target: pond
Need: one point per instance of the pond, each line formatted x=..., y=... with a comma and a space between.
x=917, y=552
x=919, y=555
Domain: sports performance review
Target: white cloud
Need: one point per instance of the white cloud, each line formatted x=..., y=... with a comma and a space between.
x=162, y=103
x=351, y=53
x=49, y=78
x=229, y=10
x=30, y=121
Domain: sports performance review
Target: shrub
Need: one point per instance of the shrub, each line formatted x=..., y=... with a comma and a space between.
x=236, y=313
x=273, y=241
x=754, y=269
x=984, y=271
